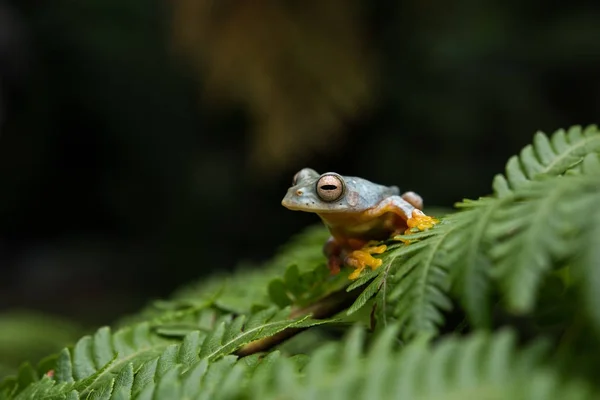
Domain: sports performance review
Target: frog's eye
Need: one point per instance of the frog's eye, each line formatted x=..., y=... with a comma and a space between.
x=330, y=187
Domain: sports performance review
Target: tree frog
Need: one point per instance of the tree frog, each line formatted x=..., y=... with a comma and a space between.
x=357, y=213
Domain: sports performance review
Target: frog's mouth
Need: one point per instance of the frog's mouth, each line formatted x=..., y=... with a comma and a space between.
x=300, y=198
x=309, y=206
x=294, y=205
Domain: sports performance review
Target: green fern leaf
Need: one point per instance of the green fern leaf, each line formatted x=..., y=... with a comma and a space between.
x=370, y=291
x=390, y=261
x=542, y=226
x=413, y=279
x=481, y=366
x=72, y=396
x=278, y=293
x=88, y=370
x=301, y=289
x=222, y=379
x=470, y=274
x=508, y=242
x=419, y=281
x=106, y=354
x=588, y=269
x=180, y=323
x=92, y=361
x=200, y=381
x=227, y=338
x=548, y=157
x=26, y=375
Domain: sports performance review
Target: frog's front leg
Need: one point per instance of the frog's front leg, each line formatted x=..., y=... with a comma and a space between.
x=406, y=208
x=413, y=199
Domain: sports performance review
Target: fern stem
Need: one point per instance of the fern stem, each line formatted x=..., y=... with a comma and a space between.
x=324, y=308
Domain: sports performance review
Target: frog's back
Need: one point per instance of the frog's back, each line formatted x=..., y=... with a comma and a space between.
x=370, y=193
x=367, y=187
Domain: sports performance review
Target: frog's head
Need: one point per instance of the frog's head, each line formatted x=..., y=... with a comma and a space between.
x=330, y=192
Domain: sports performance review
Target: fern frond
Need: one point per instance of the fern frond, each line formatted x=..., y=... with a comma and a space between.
x=479, y=367
x=301, y=289
x=93, y=363
x=543, y=226
x=470, y=274
x=166, y=377
x=548, y=157
x=590, y=165
x=413, y=279
x=588, y=269
x=94, y=359
x=227, y=338
x=505, y=244
x=419, y=284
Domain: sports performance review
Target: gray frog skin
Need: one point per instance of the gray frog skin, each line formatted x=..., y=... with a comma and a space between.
x=356, y=194
x=356, y=211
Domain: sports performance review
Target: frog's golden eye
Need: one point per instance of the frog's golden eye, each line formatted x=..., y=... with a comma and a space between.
x=330, y=187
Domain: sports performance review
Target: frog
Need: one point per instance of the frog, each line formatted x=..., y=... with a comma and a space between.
x=359, y=215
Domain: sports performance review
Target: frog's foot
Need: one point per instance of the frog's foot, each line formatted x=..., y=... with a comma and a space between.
x=360, y=259
x=420, y=221
x=403, y=240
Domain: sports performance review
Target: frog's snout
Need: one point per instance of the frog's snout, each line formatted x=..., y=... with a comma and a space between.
x=285, y=201
x=293, y=199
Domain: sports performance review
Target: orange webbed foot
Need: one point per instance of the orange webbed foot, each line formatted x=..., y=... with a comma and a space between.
x=420, y=221
x=360, y=259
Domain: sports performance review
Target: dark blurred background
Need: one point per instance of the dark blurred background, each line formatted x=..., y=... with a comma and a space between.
x=146, y=144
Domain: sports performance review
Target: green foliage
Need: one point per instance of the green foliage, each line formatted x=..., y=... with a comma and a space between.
x=538, y=220
x=100, y=362
x=426, y=324
x=24, y=334
x=547, y=158
x=482, y=366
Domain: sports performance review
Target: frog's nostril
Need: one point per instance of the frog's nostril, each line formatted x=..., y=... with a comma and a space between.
x=299, y=193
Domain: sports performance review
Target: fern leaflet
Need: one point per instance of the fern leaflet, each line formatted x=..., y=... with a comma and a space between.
x=542, y=226
x=588, y=268
x=90, y=367
x=481, y=366
x=548, y=157
x=417, y=277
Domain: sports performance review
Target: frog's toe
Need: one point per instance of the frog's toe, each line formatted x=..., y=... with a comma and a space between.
x=372, y=248
x=361, y=259
x=401, y=239
x=355, y=274
x=420, y=221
